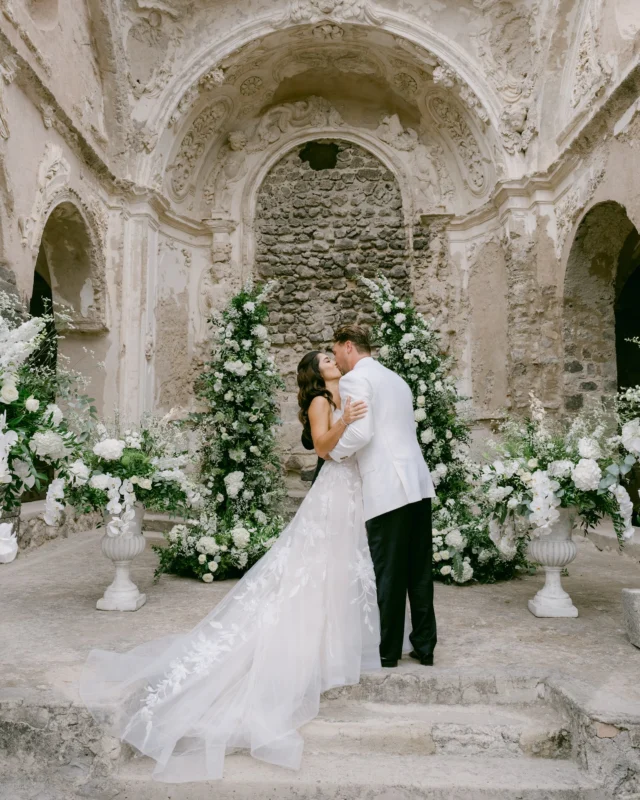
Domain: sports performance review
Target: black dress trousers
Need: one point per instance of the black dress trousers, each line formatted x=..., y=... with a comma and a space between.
x=401, y=550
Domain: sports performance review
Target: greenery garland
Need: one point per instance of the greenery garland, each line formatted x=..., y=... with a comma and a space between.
x=462, y=548
x=240, y=465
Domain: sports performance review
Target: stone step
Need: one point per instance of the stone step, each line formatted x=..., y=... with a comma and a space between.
x=374, y=777
x=420, y=729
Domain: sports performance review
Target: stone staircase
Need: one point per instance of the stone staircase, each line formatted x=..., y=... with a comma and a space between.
x=402, y=735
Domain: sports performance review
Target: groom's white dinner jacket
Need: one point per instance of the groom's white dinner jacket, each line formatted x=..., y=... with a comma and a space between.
x=393, y=470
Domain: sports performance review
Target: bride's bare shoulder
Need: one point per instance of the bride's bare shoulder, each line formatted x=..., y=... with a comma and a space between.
x=319, y=405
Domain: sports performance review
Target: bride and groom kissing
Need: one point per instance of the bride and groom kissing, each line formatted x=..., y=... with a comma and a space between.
x=326, y=602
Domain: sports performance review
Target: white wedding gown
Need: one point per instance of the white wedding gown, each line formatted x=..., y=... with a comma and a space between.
x=304, y=619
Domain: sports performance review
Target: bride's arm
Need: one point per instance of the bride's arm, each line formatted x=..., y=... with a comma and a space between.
x=325, y=435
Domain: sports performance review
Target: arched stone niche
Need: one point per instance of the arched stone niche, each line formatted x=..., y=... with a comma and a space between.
x=327, y=212
x=66, y=263
x=601, y=270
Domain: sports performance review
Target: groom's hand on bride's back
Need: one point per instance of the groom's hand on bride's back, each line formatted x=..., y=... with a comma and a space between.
x=354, y=410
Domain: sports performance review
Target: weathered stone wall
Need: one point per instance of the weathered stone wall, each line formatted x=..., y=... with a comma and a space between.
x=316, y=232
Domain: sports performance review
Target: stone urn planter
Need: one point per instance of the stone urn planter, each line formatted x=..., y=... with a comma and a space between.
x=9, y=530
x=123, y=594
x=631, y=614
x=553, y=552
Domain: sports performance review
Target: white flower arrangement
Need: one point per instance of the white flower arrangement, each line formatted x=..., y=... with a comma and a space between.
x=240, y=465
x=410, y=346
x=557, y=466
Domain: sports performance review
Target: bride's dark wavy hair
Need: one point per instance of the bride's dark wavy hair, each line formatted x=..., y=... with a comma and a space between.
x=310, y=384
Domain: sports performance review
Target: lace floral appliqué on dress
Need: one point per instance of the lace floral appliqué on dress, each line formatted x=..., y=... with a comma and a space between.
x=304, y=619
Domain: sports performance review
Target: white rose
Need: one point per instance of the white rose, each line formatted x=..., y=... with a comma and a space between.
x=109, y=449
x=420, y=400
x=448, y=435
x=532, y=463
x=32, y=404
x=207, y=577
x=586, y=475
x=438, y=386
x=436, y=557
x=9, y=392
x=446, y=570
x=213, y=566
x=384, y=351
x=426, y=437
x=420, y=414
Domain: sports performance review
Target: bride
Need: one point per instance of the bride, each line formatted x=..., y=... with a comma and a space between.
x=304, y=619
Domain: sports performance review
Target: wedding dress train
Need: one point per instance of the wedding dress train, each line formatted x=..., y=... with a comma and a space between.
x=304, y=619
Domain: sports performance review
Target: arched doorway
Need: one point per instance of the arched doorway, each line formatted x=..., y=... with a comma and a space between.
x=601, y=293
x=327, y=212
x=67, y=278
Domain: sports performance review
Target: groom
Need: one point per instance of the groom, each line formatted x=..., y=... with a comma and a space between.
x=397, y=491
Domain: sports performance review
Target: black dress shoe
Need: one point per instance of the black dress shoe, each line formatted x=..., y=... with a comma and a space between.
x=426, y=661
x=388, y=663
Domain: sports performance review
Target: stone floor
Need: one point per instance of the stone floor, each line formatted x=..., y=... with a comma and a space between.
x=50, y=623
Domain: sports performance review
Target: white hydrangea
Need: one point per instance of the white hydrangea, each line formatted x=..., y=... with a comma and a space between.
x=496, y=494
x=261, y=332
x=420, y=414
x=420, y=400
x=384, y=351
x=586, y=475
x=53, y=414
x=407, y=338
x=100, y=482
x=631, y=437
x=589, y=448
x=426, y=437
x=207, y=545
x=455, y=539
x=386, y=307
x=241, y=537
x=438, y=473
x=237, y=455
x=249, y=307
x=109, y=449
x=399, y=318
x=560, y=469
x=261, y=517
x=79, y=473
x=239, y=368
x=49, y=446
x=467, y=573
x=233, y=481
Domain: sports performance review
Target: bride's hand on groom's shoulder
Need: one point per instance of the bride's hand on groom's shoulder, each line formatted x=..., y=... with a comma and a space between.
x=354, y=410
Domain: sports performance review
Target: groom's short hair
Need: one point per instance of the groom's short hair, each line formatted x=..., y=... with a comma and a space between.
x=355, y=334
